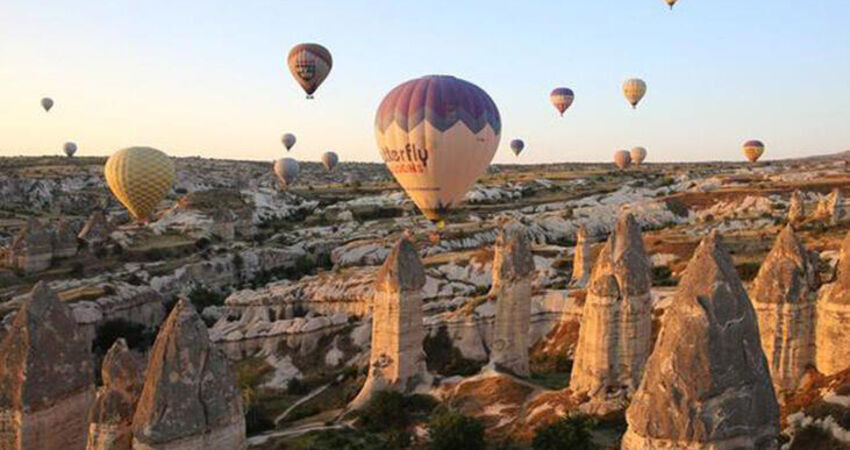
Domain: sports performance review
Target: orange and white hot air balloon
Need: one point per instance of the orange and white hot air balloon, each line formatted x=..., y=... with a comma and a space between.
x=753, y=150
x=310, y=64
x=637, y=154
x=634, y=89
x=622, y=159
x=437, y=135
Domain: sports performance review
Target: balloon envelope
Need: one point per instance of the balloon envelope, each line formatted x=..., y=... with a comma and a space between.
x=139, y=177
x=310, y=64
x=330, y=159
x=288, y=140
x=637, y=155
x=437, y=135
x=670, y=3
x=47, y=103
x=517, y=145
x=753, y=150
x=69, y=148
x=622, y=159
x=286, y=170
x=562, y=98
x=634, y=90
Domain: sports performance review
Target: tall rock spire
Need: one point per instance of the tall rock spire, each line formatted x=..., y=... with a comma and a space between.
x=582, y=258
x=706, y=385
x=111, y=416
x=832, y=333
x=796, y=208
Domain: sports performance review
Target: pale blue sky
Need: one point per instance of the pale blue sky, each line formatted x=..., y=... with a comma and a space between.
x=209, y=78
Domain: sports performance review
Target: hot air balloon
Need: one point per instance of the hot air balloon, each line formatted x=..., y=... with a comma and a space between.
x=562, y=98
x=634, y=89
x=310, y=64
x=47, y=103
x=139, y=177
x=69, y=148
x=329, y=159
x=670, y=3
x=637, y=155
x=517, y=145
x=753, y=150
x=437, y=135
x=622, y=159
x=288, y=140
x=286, y=170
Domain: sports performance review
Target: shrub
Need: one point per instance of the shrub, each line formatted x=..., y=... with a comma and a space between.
x=202, y=297
x=449, y=430
x=385, y=411
x=138, y=336
x=442, y=357
x=571, y=432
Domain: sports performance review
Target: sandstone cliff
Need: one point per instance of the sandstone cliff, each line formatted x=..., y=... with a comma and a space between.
x=832, y=333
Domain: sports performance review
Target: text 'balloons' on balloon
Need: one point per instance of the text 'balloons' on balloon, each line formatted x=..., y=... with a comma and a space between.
x=634, y=89
x=139, y=177
x=517, y=145
x=562, y=98
x=47, y=103
x=753, y=149
x=288, y=141
x=69, y=148
x=637, y=155
x=437, y=134
x=287, y=170
x=330, y=160
x=670, y=3
x=622, y=159
x=310, y=64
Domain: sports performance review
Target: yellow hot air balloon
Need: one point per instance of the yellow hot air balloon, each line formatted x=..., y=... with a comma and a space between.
x=753, y=150
x=139, y=177
x=670, y=3
x=634, y=89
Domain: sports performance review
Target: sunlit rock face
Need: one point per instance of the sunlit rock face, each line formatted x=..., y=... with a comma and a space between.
x=95, y=232
x=582, y=258
x=796, y=208
x=616, y=326
x=190, y=399
x=111, y=416
x=32, y=249
x=783, y=295
x=831, y=208
x=707, y=384
x=832, y=333
x=397, y=360
x=46, y=377
x=513, y=272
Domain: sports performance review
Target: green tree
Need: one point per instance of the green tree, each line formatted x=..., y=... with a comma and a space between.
x=449, y=430
x=571, y=432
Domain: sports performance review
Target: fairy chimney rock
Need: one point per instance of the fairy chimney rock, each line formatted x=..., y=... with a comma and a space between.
x=615, y=336
x=832, y=332
x=32, y=249
x=831, y=207
x=796, y=208
x=513, y=268
x=111, y=417
x=96, y=230
x=707, y=384
x=190, y=398
x=46, y=377
x=582, y=258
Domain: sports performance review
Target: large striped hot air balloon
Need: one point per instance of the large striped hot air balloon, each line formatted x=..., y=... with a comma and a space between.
x=670, y=3
x=753, y=150
x=330, y=160
x=634, y=89
x=517, y=145
x=287, y=170
x=47, y=103
x=69, y=148
x=562, y=98
x=437, y=135
x=310, y=64
x=288, y=140
x=637, y=154
x=622, y=159
x=139, y=177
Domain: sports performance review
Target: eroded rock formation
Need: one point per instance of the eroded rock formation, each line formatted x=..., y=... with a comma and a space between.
x=96, y=231
x=190, y=398
x=616, y=325
x=783, y=296
x=46, y=377
x=831, y=207
x=111, y=417
x=832, y=333
x=796, y=208
x=582, y=258
x=707, y=384
x=32, y=249
x=397, y=360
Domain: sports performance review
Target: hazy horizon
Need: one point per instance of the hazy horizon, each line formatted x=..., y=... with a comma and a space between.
x=211, y=80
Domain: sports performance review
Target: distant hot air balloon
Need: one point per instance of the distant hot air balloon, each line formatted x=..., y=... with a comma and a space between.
x=670, y=3
x=634, y=89
x=47, y=103
x=310, y=64
x=622, y=159
x=139, y=177
x=437, y=135
x=753, y=150
x=286, y=170
x=637, y=155
x=330, y=159
x=562, y=98
x=288, y=140
x=517, y=145
x=69, y=148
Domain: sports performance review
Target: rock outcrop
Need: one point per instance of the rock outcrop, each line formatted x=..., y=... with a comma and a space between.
x=832, y=333
x=32, y=249
x=796, y=208
x=707, y=384
x=95, y=232
x=111, y=417
x=190, y=399
x=397, y=360
x=831, y=207
x=46, y=377
x=582, y=258
x=615, y=336
x=513, y=272
x=64, y=240
x=783, y=295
